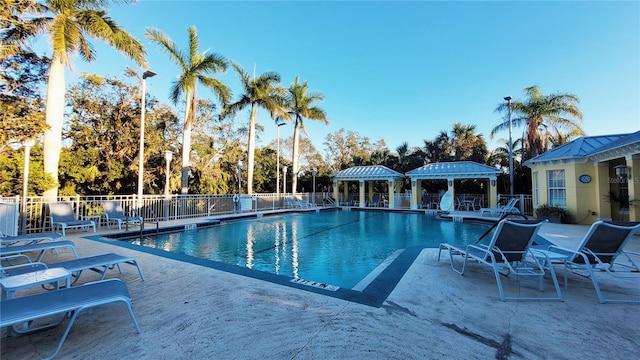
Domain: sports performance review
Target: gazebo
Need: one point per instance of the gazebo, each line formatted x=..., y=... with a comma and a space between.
x=366, y=174
x=451, y=171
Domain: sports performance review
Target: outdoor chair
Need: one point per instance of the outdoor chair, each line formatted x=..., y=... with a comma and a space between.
x=63, y=217
x=42, y=247
x=477, y=203
x=289, y=203
x=114, y=213
x=301, y=203
x=508, y=252
x=510, y=208
x=29, y=238
x=348, y=201
x=375, y=201
x=65, y=303
x=426, y=202
x=98, y=263
x=602, y=249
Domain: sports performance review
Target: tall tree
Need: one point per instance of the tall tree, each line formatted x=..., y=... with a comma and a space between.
x=300, y=105
x=540, y=114
x=196, y=68
x=262, y=91
x=467, y=144
x=69, y=23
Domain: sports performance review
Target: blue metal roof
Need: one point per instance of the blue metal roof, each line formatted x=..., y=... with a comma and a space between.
x=589, y=148
x=370, y=172
x=456, y=170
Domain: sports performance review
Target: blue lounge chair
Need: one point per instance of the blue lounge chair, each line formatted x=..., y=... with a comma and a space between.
x=42, y=247
x=62, y=217
x=114, y=213
x=66, y=302
x=98, y=263
x=598, y=254
x=508, y=252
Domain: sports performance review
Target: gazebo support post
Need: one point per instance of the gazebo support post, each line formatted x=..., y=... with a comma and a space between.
x=391, y=193
x=361, y=196
x=414, y=194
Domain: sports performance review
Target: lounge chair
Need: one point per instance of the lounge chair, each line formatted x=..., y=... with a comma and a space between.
x=68, y=302
x=301, y=203
x=29, y=238
x=598, y=252
x=289, y=203
x=506, y=253
x=510, y=208
x=114, y=213
x=98, y=263
x=42, y=247
x=62, y=217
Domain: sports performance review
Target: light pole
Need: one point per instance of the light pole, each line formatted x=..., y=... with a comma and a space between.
x=27, y=145
x=284, y=182
x=168, y=155
x=279, y=122
x=239, y=169
x=508, y=98
x=145, y=75
x=314, y=172
x=239, y=176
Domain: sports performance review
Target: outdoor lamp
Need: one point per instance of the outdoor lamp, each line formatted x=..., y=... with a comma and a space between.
x=622, y=171
x=145, y=75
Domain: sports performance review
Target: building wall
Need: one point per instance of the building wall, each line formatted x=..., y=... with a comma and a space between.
x=580, y=197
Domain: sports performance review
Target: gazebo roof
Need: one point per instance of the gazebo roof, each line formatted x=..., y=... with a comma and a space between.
x=455, y=170
x=370, y=172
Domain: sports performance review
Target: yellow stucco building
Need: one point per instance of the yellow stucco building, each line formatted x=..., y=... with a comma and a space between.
x=594, y=177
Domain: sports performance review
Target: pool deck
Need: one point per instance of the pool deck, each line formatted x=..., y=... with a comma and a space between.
x=190, y=311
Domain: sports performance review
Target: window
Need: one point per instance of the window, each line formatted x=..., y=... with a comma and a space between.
x=536, y=190
x=557, y=188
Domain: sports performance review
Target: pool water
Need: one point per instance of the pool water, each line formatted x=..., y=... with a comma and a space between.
x=332, y=247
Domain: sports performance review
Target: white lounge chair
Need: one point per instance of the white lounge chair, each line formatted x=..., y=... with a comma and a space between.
x=98, y=263
x=29, y=238
x=510, y=208
x=114, y=213
x=599, y=252
x=301, y=203
x=63, y=217
x=508, y=252
x=42, y=247
x=68, y=302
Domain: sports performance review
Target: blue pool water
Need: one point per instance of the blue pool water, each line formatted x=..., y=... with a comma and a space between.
x=333, y=247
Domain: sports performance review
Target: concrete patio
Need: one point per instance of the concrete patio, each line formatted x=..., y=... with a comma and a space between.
x=190, y=311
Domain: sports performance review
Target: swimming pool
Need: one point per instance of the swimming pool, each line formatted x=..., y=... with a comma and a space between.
x=329, y=248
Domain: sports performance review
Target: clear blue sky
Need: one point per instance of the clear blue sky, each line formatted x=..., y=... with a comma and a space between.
x=403, y=71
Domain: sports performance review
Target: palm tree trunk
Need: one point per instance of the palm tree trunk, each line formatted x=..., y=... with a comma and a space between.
x=54, y=118
x=186, y=144
x=252, y=148
x=294, y=160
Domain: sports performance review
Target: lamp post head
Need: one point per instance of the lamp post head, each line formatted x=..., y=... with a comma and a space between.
x=239, y=164
x=314, y=171
x=280, y=122
x=508, y=98
x=168, y=155
x=148, y=74
x=284, y=169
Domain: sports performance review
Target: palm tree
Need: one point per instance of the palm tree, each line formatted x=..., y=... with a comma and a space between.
x=196, y=68
x=300, y=106
x=69, y=25
x=260, y=91
x=541, y=114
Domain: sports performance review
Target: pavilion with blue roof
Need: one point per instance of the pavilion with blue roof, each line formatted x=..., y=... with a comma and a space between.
x=366, y=175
